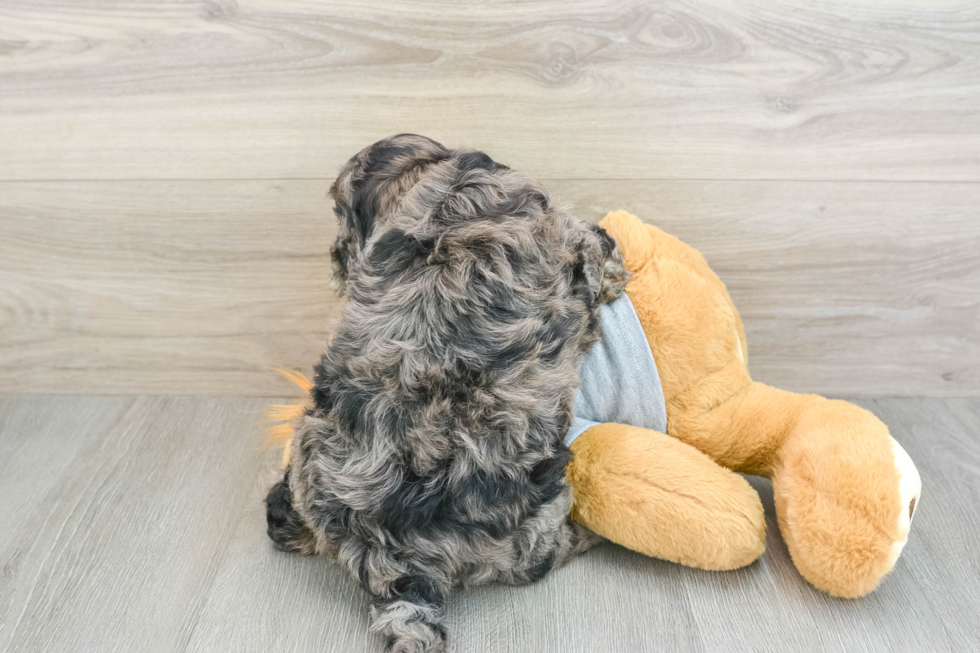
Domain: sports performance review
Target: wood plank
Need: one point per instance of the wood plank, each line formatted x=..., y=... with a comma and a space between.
x=170, y=287
x=41, y=439
x=585, y=89
x=285, y=602
x=123, y=542
x=844, y=288
x=943, y=438
x=200, y=287
x=136, y=524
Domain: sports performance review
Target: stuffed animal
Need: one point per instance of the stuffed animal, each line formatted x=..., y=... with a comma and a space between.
x=845, y=491
x=667, y=413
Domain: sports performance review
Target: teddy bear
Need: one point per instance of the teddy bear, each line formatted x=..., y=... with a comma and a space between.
x=667, y=418
x=845, y=490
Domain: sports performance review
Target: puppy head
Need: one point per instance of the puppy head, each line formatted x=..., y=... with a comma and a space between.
x=369, y=187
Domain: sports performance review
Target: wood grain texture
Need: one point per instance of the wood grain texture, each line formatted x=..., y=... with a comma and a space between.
x=584, y=89
x=824, y=156
x=121, y=513
x=844, y=288
x=135, y=524
x=198, y=287
x=170, y=287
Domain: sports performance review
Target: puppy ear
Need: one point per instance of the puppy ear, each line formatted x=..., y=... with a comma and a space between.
x=354, y=226
x=614, y=272
x=598, y=274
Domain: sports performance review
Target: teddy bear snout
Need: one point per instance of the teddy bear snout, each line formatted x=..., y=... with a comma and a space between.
x=910, y=491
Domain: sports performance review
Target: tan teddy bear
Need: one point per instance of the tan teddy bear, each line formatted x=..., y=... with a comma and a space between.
x=845, y=491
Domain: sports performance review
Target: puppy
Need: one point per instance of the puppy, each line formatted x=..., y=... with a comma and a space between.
x=430, y=453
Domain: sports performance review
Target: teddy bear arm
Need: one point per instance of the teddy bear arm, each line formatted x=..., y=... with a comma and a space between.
x=654, y=494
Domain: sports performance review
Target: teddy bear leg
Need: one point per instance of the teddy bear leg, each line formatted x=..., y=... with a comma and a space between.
x=844, y=489
x=654, y=494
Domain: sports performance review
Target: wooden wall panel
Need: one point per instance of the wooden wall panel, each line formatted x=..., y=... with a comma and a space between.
x=161, y=287
x=198, y=287
x=163, y=170
x=795, y=89
x=844, y=288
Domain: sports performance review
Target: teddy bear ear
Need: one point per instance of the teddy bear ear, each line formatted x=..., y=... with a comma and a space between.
x=635, y=238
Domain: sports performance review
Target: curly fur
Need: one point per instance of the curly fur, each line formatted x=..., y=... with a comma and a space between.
x=431, y=453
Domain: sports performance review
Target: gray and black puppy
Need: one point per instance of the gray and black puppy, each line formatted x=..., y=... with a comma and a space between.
x=431, y=453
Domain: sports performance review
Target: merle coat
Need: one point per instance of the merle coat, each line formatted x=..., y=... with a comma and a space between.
x=431, y=454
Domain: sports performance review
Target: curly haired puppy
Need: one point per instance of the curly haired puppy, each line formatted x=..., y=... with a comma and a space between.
x=431, y=454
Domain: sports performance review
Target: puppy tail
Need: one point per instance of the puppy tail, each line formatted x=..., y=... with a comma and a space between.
x=280, y=417
x=409, y=617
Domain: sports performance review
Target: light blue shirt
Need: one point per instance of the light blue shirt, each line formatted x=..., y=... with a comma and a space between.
x=619, y=378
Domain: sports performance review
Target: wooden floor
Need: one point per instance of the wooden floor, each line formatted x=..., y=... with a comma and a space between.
x=136, y=524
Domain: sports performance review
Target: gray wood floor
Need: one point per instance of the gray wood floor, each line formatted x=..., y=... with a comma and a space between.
x=136, y=524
